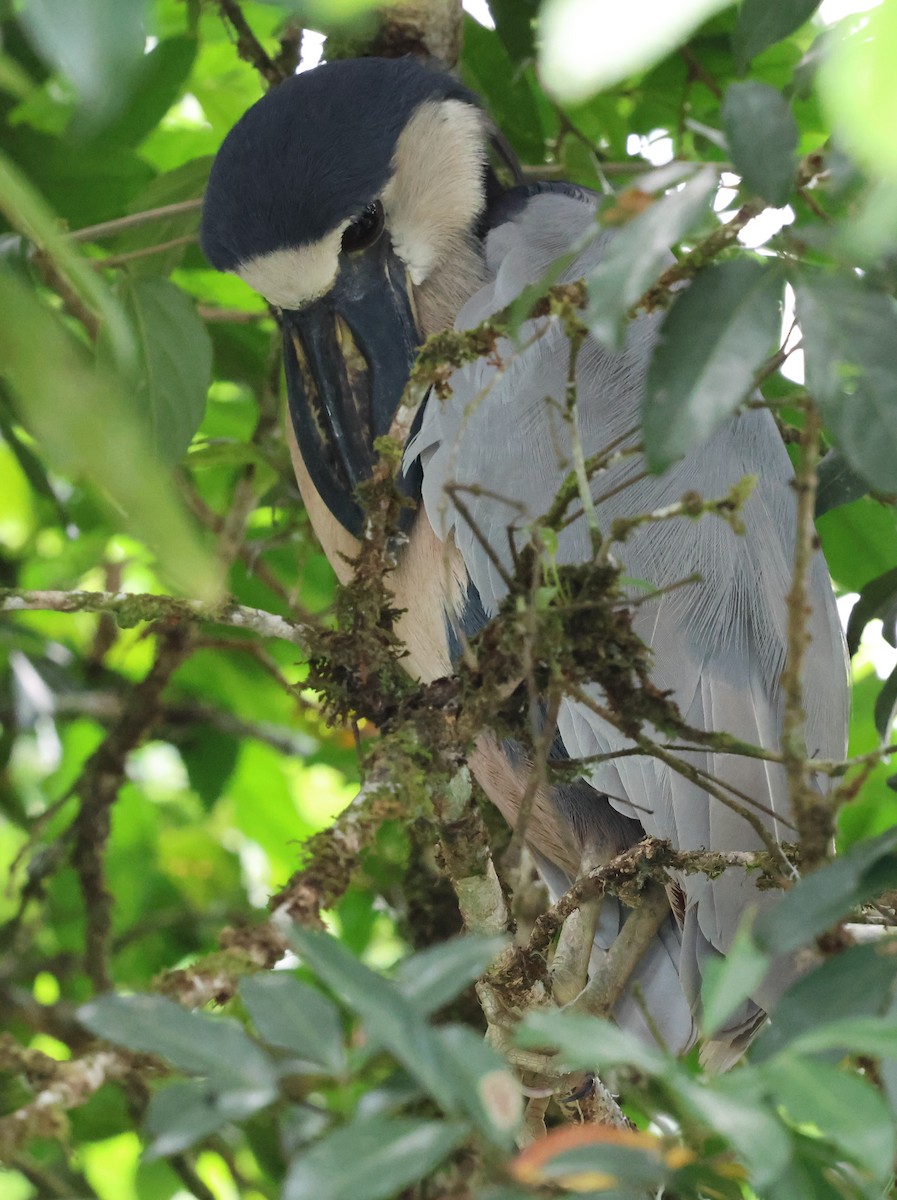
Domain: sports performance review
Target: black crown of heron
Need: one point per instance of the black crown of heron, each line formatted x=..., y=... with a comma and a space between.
x=360, y=200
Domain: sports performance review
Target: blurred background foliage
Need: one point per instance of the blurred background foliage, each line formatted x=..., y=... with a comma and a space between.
x=141, y=451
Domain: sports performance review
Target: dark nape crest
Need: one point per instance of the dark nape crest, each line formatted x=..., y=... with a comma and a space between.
x=311, y=153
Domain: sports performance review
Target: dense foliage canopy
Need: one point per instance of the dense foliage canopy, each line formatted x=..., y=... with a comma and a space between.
x=173, y=648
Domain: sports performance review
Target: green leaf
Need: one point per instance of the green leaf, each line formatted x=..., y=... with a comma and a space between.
x=712, y=342
x=729, y=981
x=850, y=351
x=176, y=363
x=886, y=706
x=582, y=51
x=435, y=976
x=845, y=1108
x=838, y=483
x=97, y=45
x=487, y=1090
x=186, y=182
x=874, y=1036
x=291, y=1014
x=858, y=86
x=591, y=1043
x=761, y=23
x=181, y=1114
x=371, y=1159
x=90, y=430
x=857, y=982
x=732, y=1107
x=215, y=1047
x=389, y=1018
x=817, y=901
x=160, y=79
x=878, y=601
x=637, y=254
x=762, y=135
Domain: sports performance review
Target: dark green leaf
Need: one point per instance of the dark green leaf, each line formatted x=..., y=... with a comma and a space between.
x=886, y=706
x=176, y=356
x=160, y=78
x=390, y=1019
x=850, y=349
x=817, y=901
x=712, y=342
x=186, y=182
x=857, y=982
x=637, y=254
x=762, y=135
x=371, y=1159
x=215, y=1047
x=874, y=1036
x=515, y=22
x=97, y=45
x=733, y=1106
x=844, y=1107
x=181, y=1114
x=763, y=22
x=487, y=1090
x=293, y=1015
x=591, y=1043
x=430, y=979
x=878, y=601
x=730, y=980
x=838, y=483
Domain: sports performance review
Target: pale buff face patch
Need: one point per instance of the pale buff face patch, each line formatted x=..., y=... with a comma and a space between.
x=430, y=203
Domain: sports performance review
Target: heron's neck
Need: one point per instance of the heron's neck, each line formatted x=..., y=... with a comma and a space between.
x=449, y=285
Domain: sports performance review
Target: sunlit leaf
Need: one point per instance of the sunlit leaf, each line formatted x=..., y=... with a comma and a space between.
x=588, y=45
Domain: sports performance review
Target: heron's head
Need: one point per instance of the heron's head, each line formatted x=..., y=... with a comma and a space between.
x=349, y=198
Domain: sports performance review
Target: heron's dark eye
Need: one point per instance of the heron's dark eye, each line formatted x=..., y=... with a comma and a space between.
x=365, y=230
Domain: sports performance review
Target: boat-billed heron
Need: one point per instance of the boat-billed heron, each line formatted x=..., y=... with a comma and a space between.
x=360, y=199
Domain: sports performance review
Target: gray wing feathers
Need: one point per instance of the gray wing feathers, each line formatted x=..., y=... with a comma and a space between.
x=719, y=646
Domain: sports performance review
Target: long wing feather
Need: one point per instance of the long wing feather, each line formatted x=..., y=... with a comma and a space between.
x=718, y=646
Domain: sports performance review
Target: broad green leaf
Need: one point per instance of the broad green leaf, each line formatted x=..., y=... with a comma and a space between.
x=860, y=542
x=184, y=183
x=588, y=45
x=181, y=1114
x=602, y=1165
x=850, y=351
x=487, y=1090
x=215, y=1047
x=857, y=982
x=291, y=1014
x=730, y=980
x=637, y=254
x=371, y=1159
x=591, y=1043
x=844, y=1107
x=160, y=79
x=838, y=483
x=175, y=362
x=390, y=1019
x=97, y=45
x=874, y=1036
x=858, y=86
x=515, y=22
x=733, y=1108
x=818, y=900
x=762, y=135
x=712, y=342
x=878, y=601
x=433, y=977
x=86, y=425
x=761, y=23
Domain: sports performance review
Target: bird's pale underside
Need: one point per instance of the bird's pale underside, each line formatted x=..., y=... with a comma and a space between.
x=359, y=200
